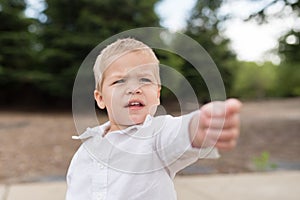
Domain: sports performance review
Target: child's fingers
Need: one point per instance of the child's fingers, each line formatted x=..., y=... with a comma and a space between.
x=221, y=108
x=226, y=146
x=220, y=138
x=222, y=135
x=233, y=106
x=220, y=122
x=214, y=109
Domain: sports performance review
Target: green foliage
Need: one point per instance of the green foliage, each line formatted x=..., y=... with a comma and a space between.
x=204, y=27
x=74, y=28
x=288, y=83
x=253, y=81
x=262, y=162
x=17, y=57
x=39, y=59
x=174, y=61
x=289, y=47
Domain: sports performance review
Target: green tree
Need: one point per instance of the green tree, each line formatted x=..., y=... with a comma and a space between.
x=73, y=28
x=289, y=45
x=289, y=48
x=255, y=82
x=17, y=52
x=204, y=26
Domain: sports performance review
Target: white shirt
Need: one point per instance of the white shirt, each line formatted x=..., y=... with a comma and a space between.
x=138, y=163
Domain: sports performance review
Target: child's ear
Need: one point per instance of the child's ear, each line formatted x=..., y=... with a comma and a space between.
x=99, y=99
x=158, y=95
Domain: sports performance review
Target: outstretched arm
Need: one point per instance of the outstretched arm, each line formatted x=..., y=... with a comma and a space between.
x=218, y=125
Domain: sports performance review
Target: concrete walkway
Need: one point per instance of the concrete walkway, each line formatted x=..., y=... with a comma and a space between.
x=264, y=186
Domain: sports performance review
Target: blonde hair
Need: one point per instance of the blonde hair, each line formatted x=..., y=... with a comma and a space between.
x=114, y=51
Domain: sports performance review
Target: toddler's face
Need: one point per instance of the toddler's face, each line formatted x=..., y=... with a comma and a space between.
x=130, y=90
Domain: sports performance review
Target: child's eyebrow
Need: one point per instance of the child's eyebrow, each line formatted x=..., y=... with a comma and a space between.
x=117, y=75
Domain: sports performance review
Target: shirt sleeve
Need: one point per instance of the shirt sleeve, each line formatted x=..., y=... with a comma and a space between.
x=78, y=176
x=174, y=144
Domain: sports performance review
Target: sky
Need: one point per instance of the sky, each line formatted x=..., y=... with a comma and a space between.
x=174, y=13
x=250, y=41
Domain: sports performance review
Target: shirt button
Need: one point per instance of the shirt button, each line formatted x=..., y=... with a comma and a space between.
x=100, y=166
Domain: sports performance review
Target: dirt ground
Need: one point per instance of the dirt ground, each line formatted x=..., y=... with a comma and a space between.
x=37, y=146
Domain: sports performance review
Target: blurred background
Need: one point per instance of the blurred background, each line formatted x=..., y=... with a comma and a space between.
x=254, y=43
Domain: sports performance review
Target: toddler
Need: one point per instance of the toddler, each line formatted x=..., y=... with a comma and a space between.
x=135, y=156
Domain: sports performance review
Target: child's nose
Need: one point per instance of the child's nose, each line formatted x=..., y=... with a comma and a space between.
x=134, y=89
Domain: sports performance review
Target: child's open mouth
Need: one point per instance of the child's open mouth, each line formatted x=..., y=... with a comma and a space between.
x=135, y=104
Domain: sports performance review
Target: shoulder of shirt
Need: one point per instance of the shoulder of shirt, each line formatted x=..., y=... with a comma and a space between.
x=99, y=130
x=166, y=117
x=90, y=133
x=173, y=119
x=162, y=117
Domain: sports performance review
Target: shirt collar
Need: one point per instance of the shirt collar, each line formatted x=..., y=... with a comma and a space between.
x=100, y=130
x=131, y=129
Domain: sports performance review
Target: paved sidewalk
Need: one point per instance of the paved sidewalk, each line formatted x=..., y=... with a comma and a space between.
x=265, y=186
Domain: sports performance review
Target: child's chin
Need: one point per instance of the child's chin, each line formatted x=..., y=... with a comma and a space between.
x=137, y=120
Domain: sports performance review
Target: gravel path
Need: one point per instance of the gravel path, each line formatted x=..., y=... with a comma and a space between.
x=38, y=146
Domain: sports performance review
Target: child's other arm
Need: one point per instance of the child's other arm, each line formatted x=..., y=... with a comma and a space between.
x=218, y=125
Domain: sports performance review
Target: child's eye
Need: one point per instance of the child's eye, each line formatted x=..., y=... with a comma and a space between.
x=118, y=81
x=145, y=80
